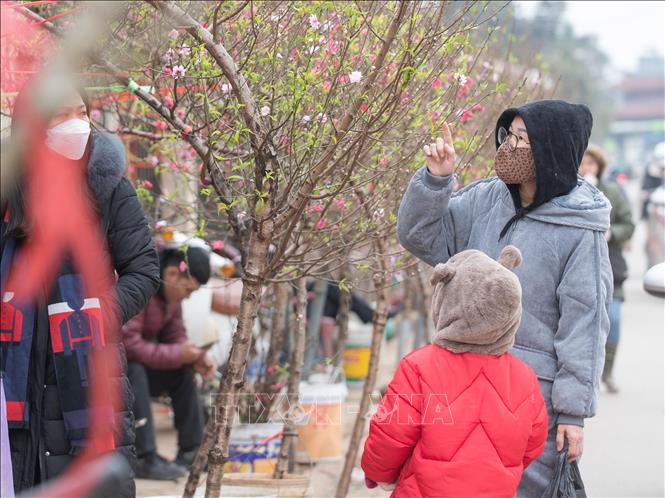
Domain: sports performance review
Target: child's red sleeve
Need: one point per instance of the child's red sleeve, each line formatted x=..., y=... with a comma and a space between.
x=536, y=443
x=395, y=428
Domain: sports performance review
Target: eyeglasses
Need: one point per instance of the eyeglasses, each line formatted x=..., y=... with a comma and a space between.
x=508, y=137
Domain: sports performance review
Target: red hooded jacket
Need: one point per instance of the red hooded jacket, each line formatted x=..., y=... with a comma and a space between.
x=456, y=425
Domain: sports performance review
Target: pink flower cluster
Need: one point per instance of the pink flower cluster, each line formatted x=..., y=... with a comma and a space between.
x=468, y=114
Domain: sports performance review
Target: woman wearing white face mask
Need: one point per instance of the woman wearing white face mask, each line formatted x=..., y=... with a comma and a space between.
x=47, y=410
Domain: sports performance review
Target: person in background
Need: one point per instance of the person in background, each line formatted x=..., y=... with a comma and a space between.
x=592, y=168
x=357, y=305
x=48, y=412
x=161, y=359
x=654, y=177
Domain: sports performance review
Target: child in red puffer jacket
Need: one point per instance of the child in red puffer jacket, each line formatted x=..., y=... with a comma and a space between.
x=462, y=417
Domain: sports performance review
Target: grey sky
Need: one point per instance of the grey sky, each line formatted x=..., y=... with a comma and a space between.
x=624, y=29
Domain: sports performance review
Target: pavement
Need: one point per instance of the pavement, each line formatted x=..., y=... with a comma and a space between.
x=623, y=447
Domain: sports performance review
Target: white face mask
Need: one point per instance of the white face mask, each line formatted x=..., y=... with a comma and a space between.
x=69, y=138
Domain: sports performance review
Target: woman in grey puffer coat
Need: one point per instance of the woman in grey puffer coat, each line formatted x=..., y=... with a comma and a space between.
x=558, y=222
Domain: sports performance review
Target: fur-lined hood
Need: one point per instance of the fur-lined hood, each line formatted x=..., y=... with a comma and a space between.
x=106, y=166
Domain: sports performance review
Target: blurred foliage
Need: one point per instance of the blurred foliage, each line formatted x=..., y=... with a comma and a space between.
x=574, y=62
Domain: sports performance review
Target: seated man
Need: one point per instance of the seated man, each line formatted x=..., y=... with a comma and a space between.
x=160, y=359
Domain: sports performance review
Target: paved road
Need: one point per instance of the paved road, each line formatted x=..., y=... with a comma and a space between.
x=623, y=453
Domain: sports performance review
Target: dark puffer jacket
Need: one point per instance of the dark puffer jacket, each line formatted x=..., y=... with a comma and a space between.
x=43, y=451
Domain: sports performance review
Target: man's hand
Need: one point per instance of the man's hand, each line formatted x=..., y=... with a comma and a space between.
x=440, y=156
x=206, y=367
x=575, y=436
x=190, y=353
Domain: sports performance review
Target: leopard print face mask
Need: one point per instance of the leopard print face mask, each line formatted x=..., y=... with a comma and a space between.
x=514, y=167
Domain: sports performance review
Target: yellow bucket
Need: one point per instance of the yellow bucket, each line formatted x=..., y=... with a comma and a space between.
x=356, y=363
x=356, y=354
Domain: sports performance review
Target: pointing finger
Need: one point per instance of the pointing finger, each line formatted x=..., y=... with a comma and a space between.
x=440, y=147
x=447, y=135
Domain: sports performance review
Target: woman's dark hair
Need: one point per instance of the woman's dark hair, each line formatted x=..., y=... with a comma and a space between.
x=21, y=114
x=196, y=258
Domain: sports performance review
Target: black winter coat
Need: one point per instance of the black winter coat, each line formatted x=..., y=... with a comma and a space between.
x=43, y=451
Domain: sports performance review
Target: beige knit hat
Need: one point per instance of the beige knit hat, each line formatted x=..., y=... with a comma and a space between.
x=477, y=302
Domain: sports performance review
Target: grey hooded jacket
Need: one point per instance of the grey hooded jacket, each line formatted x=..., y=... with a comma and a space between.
x=565, y=276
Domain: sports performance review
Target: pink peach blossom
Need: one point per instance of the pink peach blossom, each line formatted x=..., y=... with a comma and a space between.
x=179, y=71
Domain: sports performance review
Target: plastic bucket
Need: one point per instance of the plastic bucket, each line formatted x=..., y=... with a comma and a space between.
x=253, y=448
x=320, y=431
x=357, y=353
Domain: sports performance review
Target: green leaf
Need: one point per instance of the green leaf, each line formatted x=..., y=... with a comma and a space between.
x=500, y=87
x=260, y=204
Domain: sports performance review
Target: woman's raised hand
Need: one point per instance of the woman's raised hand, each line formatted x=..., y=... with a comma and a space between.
x=440, y=156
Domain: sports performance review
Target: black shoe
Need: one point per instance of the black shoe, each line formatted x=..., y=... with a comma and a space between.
x=185, y=459
x=157, y=468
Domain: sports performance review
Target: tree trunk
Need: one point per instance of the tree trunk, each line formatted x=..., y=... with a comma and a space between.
x=226, y=402
x=425, y=302
x=381, y=282
x=293, y=387
x=201, y=458
x=268, y=390
x=406, y=327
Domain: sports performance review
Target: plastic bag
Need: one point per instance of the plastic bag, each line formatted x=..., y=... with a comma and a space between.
x=567, y=480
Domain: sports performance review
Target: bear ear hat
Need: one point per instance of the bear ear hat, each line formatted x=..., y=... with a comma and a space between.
x=510, y=257
x=443, y=273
